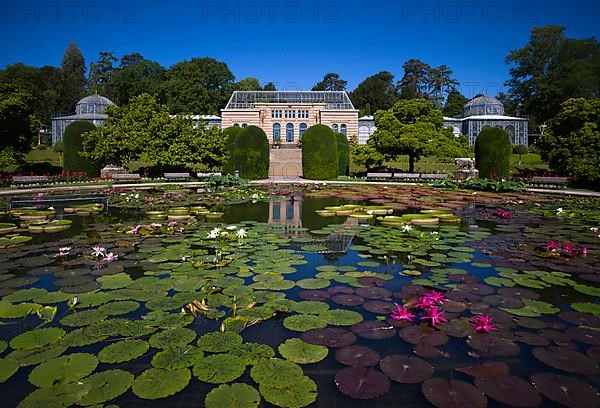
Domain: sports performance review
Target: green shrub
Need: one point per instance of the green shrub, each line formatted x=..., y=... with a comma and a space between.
x=319, y=153
x=72, y=147
x=248, y=153
x=58, y=147
x=230, y=134
x=343, y=149
x=492, y=153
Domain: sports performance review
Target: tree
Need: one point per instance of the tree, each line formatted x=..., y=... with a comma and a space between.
x=331, y=82
x=201, y=85
x=319, y=153
x=520, y=150
x=415, y=82
x=414, y=128
x=366, y=156
x=248, y=84
x=72, y=78
x=440, y=80
x=135, y=77
x=572, y=141
x=101, y=74
x=249, y=153
x=15, y=120
x=376, y=92
x=550, y=69
x=510, y=108
x=72, y=144
x=455, y=104
x=269, y=87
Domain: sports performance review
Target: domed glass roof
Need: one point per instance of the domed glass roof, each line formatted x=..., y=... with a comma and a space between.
x=92, y=104
x=484, y=105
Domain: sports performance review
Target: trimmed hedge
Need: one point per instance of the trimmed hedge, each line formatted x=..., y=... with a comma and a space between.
x=343, y=149
x=248, y=152
x=230, y=134
x=492, y=153
x=72, y=147
x=319, y=153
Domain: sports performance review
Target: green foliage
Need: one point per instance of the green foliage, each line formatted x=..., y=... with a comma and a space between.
x=572, y=142
x=520, y=150
x=331, y=82
x=497, y=186
x=343, y=150
x=72, y=79
x=421, y=80
x=413, y=127
x=249, y=153
x=319, y=153
x=230, y=134
x=376, y=92
x=72, y=142
x=492, y=153
x=15, y=119
x=248, y=84
x=455, y=104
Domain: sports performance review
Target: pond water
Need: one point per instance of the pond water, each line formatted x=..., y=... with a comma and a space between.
x=289, y=298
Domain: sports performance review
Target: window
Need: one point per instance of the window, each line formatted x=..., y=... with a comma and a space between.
x=302, y=129
x=276, y=133
x=343, y=130
x=236, y=125
x=289, y=133
x=244, y=125
x=335, y=128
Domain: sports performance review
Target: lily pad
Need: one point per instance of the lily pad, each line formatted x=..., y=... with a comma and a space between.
x=106, y=386
x=155, y=383
x=253, y=353
x=362, y=382
x=357, y=356
x=509, y=390
x=302, y=323
x=485, y=369
x=37, y=338
x=568, y=391
x=219, y=368
x=83, y=318
x=374, y=330
x=124, y=350
x=8, y=368
x=298, y=394
x=405, y=369
x=348, y=300
x=63, y=370
x=177, y=357
x=219, y=342
x=276, y=372
x=119, y=308
x=445, y=393
x=236, y=395
x=57, y=396
x=567, y=360
x=342, y=317
x=330, y=337
x=310, y=307
x=301, y=352
x=177, y=337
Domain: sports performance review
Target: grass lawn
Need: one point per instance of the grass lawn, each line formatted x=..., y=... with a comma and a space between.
x=41, y=156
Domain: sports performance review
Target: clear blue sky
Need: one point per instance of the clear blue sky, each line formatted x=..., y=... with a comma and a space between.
x=293, y=43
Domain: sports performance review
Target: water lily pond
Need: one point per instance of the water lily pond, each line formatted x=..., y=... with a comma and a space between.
x=359, y=296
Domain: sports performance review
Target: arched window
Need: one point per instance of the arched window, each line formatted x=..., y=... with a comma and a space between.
x=335, y=128
x=236, y=125
x=244, y=125
x=343, y=130
x=302, y=129
x=510, y=131
x=289, y=133
x=276, y=133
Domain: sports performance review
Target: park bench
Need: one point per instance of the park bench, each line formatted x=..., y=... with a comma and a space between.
x=125, y=177
x=208, y=175
x=177, y=176
x=29, y=179
x=379, y=176
x=407, y=176
x=433, y=176
x=549, y=182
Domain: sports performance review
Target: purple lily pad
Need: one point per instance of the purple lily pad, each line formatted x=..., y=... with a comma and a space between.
x=458, y=328
x=429, y=352
x=485, y=369
x=531, y=323
x=555, y=336
x=340, y=289
x=594, y=353
x=453, y=394
x=372, y=281
x=423, y=334
x=348, y=300
x=378, y=306
x=374, y=330
x=479, y=308
x=531, y=338
x=567, y=360
x=362, y=382
x=493, y=346
x=519, y=293
x=509, y=390
x=454, y=306
x=503, y=301
x=330, y=336
x=476, y=288
x=373, y=293
x=360, y=356
x=462, y=296
x=405, y=369
x=462, y=278
x=568, y=391
x=408, y=290
x=316, y=295
x=584, y=335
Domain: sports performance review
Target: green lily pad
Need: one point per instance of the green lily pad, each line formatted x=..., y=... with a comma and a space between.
x=124, y=350
x=106, y=386
x=3, y=346
x=342, y=317
x=119, y=308
x=253, y=353
x=7, y=369
x=155, y=383
x=57, y=396
x=301, y=352
x=276, y=372
x=310, y=307
x=219, y=342
x=219, y=368
x=495, y=281
x=301, y=393
x=12, y=311
x=177, y=337
x=304, y=323
x=177, y=357
x=236, y=395
x=83, y=318
x=24, y=295
x=37, y=355
x=588, y=290
x=63, y=370
x=117, y=281
x=313, y=283
x=37, y=338
x=592, y=308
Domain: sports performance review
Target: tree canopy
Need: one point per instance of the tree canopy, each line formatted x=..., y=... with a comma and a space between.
x=375, y=93
x=72, y=79
x=331, y=82
x=455, y=104
x=421, y=80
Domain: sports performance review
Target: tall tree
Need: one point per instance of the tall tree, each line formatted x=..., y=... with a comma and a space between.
x=376, y=92
x=135, y=77
x=415, y=128
x=440, y=81
x=455, y=104
x=270, y=87
x=510, y=108
x=248, y=84
x=129, y=60
x=415, y=82
x=15, y=123
x=331, y=82
x=550, y=69
x=102, y=73
x=73, y=78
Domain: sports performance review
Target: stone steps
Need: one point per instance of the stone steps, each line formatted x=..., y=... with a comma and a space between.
x=285, y=163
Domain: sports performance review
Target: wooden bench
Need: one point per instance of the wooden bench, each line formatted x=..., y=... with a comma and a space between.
x=552, y=182
x=208, y=175
x=433, y=176
x=407, y=176
x=126, y=177
x=379, y=176
x=177, y=176
x=29, y=179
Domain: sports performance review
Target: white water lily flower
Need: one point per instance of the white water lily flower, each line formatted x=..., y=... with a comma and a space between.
x=406, y=228
x=254, y=196
x=231, y=227
x=241, y=233
x=560, y=211
x=98, y=251
x=212, y=235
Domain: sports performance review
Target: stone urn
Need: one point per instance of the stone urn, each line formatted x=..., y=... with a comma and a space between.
x=465, y=169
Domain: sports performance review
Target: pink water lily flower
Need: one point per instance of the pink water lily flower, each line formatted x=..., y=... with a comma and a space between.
x=435, y=315
x=435, y=296
x=135, y=229
x=149, y=199
x=503, y=213
x=425, y=303
x=402, y=313
x=98, y=251
x=110, y=257
x=551, y=246
x=483, y=323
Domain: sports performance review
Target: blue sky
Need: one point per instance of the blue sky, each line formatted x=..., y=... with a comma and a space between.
x=293, y=43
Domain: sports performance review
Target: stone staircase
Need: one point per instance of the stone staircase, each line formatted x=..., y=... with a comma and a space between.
x=286, y=162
